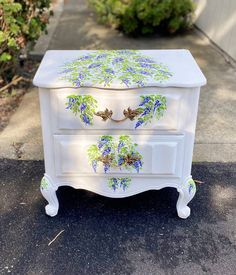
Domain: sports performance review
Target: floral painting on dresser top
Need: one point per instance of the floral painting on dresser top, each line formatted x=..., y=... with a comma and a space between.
x=127, y=67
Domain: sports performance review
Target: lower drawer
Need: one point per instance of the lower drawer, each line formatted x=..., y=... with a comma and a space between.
x=118, y=154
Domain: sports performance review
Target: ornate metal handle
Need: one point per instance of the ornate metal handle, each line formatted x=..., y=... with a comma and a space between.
x=129, y=114
x=128, y=159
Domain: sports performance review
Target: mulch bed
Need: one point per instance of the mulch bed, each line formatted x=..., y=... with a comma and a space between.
x=11, y=98
x=8, y=105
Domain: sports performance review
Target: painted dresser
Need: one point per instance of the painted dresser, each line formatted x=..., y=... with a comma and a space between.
x=118, y=123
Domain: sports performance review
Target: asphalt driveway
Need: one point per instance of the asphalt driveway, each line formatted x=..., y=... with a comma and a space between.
x=137, y=235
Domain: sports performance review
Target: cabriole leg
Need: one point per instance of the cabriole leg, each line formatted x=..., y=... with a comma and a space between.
x=186, y=194
x=48, y=191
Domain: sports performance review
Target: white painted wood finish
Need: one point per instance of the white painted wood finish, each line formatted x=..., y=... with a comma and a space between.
x=166, y=145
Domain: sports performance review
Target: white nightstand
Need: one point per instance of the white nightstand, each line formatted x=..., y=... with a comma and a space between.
x=118, y=123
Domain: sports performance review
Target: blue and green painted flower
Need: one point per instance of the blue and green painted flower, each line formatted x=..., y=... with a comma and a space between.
x=116, y=183
x=128, y=67
x=127, y=155
x=85, y=105
x=120, y=154
x=44, y=184
x=151, y=106
x=103, y=153
x=191, y=186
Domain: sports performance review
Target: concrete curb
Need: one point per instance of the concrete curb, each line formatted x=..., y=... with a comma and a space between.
x=44, y=40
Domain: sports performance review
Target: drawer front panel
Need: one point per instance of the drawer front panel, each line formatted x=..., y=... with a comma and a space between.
x=93, y=109
x=136, y=155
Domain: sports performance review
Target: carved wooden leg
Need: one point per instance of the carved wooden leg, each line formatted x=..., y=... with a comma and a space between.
x=186, y=193
x=48, y=190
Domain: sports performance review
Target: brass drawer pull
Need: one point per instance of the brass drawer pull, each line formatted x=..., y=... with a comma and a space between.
x=129, y=114
x=128, y=159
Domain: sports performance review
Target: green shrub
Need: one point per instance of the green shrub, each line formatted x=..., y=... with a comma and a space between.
x=22, y=22
x=145, y=16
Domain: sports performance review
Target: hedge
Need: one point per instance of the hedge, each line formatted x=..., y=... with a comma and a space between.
x=22, y=22
x=145, y=16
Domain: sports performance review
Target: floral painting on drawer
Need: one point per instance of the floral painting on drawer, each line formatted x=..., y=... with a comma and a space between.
x=119, y=183
x=118, y=154
x=127, y=66
x=151, y=107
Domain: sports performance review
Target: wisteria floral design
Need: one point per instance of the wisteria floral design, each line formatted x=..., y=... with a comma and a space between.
x=191, y=186
x=85, y=105
x=152, y=106
x=44, y=183
x=116, y=154
x=128, y=67
x=116, y=183
x=127, y=154
x=103, y=152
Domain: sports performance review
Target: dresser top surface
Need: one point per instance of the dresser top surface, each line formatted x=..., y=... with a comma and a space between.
x=120, y=69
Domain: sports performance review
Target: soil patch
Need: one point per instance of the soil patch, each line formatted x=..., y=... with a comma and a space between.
x=11, y=98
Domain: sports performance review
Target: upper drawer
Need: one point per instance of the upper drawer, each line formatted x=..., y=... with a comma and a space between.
x=96, y=109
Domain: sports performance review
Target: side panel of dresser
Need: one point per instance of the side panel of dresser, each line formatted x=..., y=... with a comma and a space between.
x=187, y=125
x=49, y=183
x=46, y=122
x=187, y=188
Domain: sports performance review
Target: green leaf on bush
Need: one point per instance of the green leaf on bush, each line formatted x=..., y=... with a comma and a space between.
x=15, y=7
x=2, y=37
x=145, y=16
x=14, y=28
x=12, y=43
x=21, y=22
x=5, y=57
x=10, y=7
